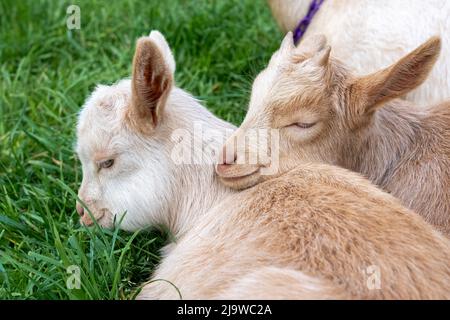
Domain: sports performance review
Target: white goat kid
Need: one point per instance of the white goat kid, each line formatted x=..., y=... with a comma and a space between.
x=120, y=160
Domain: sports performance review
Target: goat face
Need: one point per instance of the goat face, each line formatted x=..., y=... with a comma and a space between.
x=313, y=107
x=122, y=142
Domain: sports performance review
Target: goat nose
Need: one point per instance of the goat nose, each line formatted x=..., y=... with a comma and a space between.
x=80, y=209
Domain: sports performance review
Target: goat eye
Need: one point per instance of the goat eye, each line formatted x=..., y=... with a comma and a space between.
x=304, y=125
x=106, y=164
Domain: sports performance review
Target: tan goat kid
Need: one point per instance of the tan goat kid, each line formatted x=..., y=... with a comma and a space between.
x=318, y=232
x=325, y=114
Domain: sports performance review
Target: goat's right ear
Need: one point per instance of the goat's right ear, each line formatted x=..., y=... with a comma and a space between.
x=369, y=92
x=152, y=80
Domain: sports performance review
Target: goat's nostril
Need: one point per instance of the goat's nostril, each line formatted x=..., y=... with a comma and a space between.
x=80, y=209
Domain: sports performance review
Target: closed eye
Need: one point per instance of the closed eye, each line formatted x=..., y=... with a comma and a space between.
x=304, y=125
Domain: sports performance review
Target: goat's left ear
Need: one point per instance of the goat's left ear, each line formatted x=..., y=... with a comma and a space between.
x=288, y=42
x=152, y=80
x=369, y=92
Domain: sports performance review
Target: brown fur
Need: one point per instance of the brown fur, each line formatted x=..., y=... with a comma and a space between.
x=151, y=85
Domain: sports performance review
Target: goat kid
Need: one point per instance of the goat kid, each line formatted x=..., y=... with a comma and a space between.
x=324, y=113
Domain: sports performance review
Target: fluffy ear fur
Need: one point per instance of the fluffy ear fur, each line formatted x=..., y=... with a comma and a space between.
x=322, y=57
x=163, y=46
x=152, y=80
x=369, y=92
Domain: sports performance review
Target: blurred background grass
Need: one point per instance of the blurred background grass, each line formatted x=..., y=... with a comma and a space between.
x=46, y=73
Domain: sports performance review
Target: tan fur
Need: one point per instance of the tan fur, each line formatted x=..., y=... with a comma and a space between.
x=402, y=148
x=317, y=219
x=284, y=284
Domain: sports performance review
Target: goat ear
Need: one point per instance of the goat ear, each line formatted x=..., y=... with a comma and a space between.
x=369, y=92
x=314, y=49
x=288, y=42
x=322, y=57
x=152, y=80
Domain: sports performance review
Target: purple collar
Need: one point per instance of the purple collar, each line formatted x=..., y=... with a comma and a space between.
x=304, y=23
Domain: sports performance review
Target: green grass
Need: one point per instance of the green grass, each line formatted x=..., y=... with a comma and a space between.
x=46, y=73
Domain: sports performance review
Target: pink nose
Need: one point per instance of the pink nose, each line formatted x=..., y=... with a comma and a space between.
x=80, y=209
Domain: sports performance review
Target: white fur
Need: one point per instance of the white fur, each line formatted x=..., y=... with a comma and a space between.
x=369, y=34
x=143, y=167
